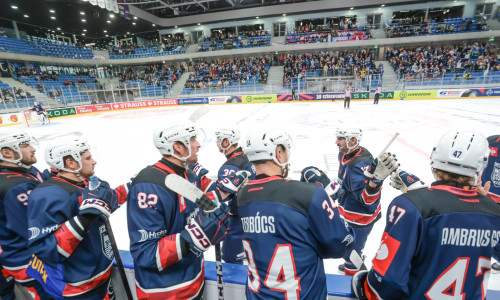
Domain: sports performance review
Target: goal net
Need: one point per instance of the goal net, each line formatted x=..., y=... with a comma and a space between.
x=32, y=119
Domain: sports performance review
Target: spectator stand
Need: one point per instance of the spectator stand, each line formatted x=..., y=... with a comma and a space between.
x=12, y=97
x=168, y=47
x=246, y=39
x=154, y=81
x=44, y=47
x=426, y=27
x=238, y=75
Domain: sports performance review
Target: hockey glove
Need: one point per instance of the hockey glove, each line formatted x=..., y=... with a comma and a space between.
x=405, y=181
x=202, y=232
x=357, y=283
x=232, y=183
x=314, y=175
x=97, y=199
x=334, y=190
x=381, y=167
x=199, y=170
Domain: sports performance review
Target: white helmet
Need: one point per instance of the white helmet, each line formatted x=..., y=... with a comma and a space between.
x=35, y=103
x=72, y=146
x=261, y=145
x=164, y=138
x=233, y=136
x=348, y=134
x=461, y=152
x=12, y=139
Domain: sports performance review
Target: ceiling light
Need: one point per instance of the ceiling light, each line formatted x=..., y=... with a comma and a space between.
x=382, y=5
x=58, y=28
x=256, y=17
x=284, y=15
x=53, y=18
x=351, y=8
x=107, y=35
x=85, y=30
x=133, y=23
x=199, y=24
x=154, y=25
x=135, y=18
x=108, y=21
x=13, y=6
x=82, y=13
x=26, y=16
x=175, y=26
x=111, y=15
x=52, y=11
x=105, y=31
x=128, y=32
x=83, y=20
x=83, y=33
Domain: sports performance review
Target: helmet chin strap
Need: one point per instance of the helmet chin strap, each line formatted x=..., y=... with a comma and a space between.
x=184, y=159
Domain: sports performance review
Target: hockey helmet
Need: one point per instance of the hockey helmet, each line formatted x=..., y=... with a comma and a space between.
x=348, y=134
x=233, y=136
x=261, y=144
x=461, y=152
x=164, y=138
x=12, y=139
x=72, y=146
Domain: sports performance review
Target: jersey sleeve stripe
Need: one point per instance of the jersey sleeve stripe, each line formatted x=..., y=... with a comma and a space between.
x=77, y=288
x=370, y=199
x=67, y=239
x=358, y=218
x=168, y=251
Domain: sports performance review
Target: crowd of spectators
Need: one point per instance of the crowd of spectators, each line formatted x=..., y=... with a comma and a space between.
x=432, y=62
x=229, y=72
x=158, y=75
x=167, y=44
x=359, y=63
x=224, y=41
x=346, y=30
x=424, y=26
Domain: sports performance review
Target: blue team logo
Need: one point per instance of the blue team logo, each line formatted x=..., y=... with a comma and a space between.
x=107, y=249
x=495, y=175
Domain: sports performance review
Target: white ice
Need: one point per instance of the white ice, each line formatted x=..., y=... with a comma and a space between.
x=122, y=143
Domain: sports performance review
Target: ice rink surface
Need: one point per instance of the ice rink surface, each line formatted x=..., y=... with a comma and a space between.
x=121, y=142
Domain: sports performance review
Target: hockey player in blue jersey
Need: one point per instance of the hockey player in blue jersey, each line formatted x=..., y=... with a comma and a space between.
x=227, y=143
x=438, y=241
x=491, y=178
x=168, y=255
x=17, y=180
x=41, y=112
x=360, y=177
x=289, y=226
x=72, y=257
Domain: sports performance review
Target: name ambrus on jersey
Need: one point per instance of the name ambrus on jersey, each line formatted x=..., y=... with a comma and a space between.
x=258, y=224
x=469, y=237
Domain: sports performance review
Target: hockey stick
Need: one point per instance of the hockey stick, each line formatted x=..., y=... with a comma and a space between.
x=93, y=184
x=198, y=113
x=389, y=143
x=186, y=189
x=357, y=260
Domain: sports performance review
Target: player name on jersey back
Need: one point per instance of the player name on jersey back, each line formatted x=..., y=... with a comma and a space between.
x=258, y=224
x=469, y=237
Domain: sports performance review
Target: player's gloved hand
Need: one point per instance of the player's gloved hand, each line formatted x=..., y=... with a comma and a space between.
x=232, y=183
x=314, y=175
x=203, y=231
x=334, y=190
x=405, y=181
x=358, y=280
x=96, y=199
x=381, y=167
x=198, y=169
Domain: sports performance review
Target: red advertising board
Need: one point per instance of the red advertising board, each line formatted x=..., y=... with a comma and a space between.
x=93, y=108
x=144, y=103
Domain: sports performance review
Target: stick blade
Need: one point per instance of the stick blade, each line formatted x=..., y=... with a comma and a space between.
x=199, y=112
x=190, y=192
x=357, y=260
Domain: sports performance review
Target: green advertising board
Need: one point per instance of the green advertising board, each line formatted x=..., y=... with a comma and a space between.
x=425, y=94
x=61, y=112
x=361, y=95
x=386, y=95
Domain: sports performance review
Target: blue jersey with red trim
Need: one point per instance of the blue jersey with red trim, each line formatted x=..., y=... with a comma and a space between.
x=359, y=207
x=437, y=244
x=16, y=183
x=492, y=170
x=74, y=264
x=236, y=161
x=289, y=228
x=156, y=216
x=38, y=108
